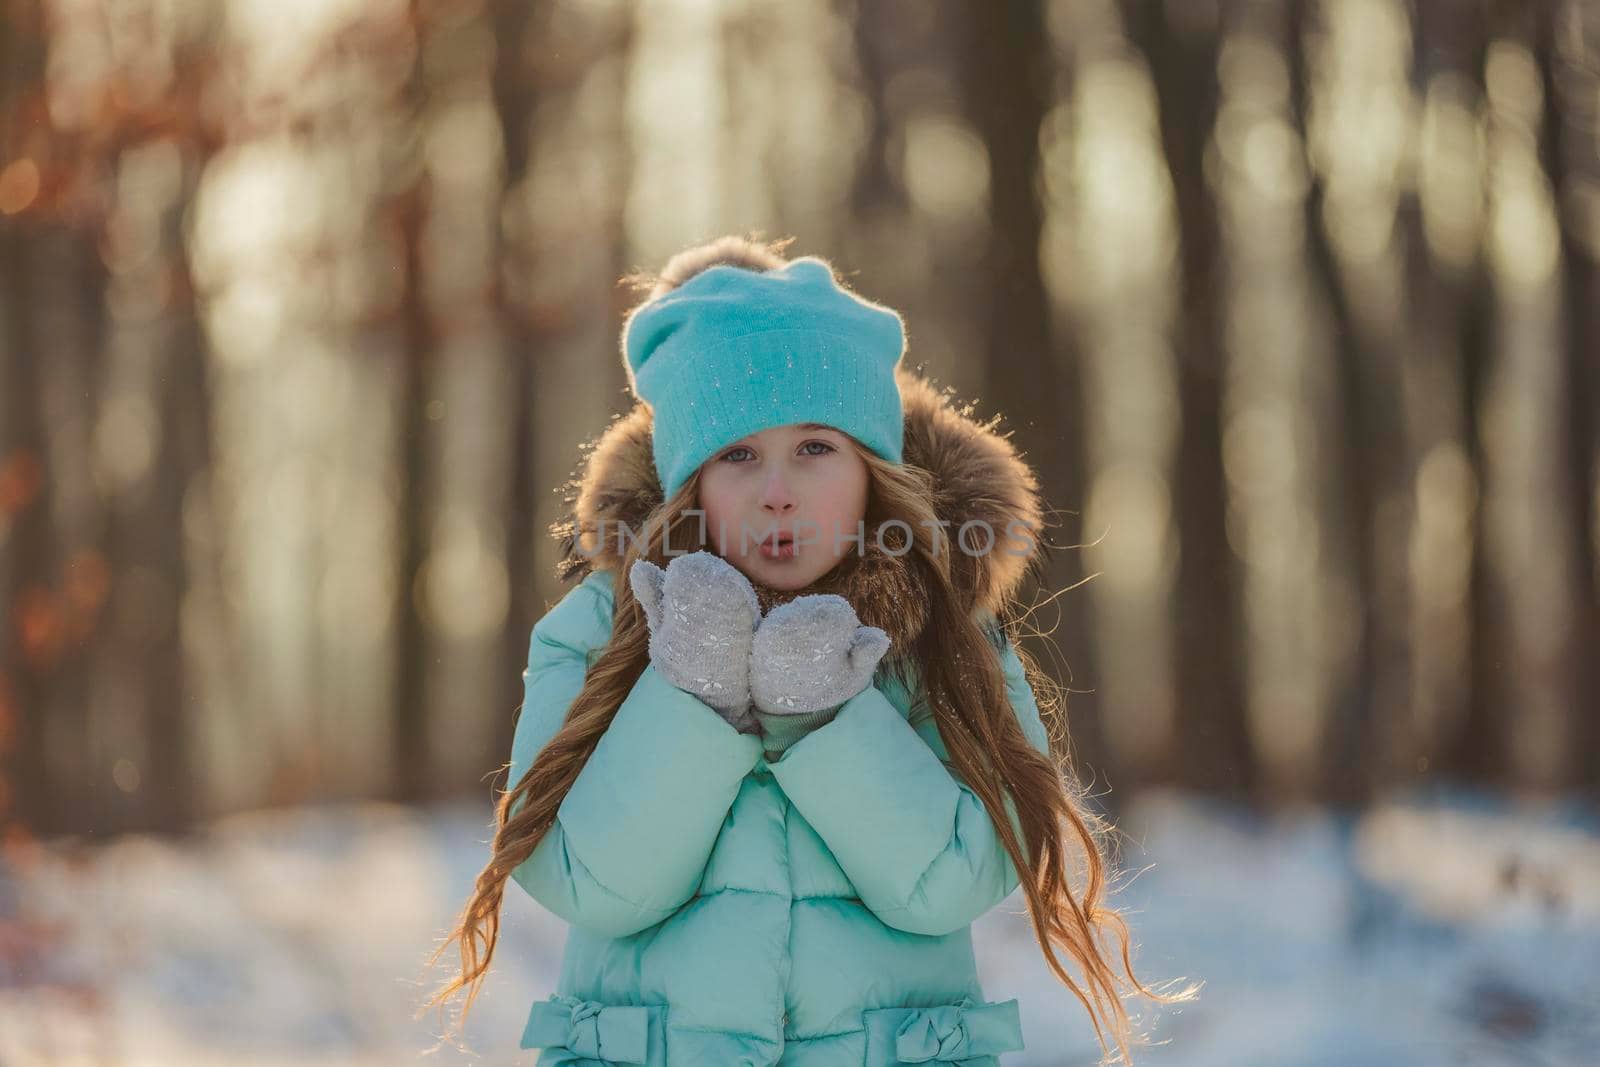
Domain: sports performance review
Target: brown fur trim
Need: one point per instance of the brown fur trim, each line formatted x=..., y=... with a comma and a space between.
x=750, y=253
x=978, y=477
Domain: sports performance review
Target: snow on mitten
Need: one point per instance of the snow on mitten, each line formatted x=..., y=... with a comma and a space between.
x=702, y=615
x=809, y=656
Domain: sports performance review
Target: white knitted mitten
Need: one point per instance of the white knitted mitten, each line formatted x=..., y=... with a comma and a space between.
x=809, y=656
x=702, y=614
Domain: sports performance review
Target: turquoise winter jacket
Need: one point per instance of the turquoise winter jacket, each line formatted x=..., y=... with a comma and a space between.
x=810, y=911
x=813, y=911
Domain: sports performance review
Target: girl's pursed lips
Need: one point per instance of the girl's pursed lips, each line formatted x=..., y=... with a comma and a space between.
x=778, y=547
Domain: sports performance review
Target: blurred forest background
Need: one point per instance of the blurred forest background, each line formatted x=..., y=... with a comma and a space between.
x=308, y=308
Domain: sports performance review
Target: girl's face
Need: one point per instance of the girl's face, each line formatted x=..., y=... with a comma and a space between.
x=802, y=483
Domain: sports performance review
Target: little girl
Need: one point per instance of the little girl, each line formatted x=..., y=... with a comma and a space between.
x=778, y=747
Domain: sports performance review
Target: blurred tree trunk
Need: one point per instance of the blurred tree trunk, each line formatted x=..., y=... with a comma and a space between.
x=26, y=536
x=1032, y=374
x=1372, y=464
x=1476, y=751
x=53, y=313
x=1523, y=734
x=410, y=726
x=1213, y=730
x=1454, y=313
x=413, y=781
x=28, y=542
x=63, y=280
x=515, y=87
x=100, y=575
x=183, y=463
x=875, y=195
x=144, y=537
x=172, y=358
x=1568, y=50
x=560, y=86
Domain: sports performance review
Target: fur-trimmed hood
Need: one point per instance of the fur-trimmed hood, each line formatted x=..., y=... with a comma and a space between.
x=978, y=477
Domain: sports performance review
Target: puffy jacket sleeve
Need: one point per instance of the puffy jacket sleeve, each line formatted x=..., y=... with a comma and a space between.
x=633, y=834
x=915, y=840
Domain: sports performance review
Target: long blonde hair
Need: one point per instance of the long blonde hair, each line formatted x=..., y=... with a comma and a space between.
x=1065, y=842
x=1062, y=834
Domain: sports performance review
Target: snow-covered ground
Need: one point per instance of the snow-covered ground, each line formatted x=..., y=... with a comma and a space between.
x=1430, y=931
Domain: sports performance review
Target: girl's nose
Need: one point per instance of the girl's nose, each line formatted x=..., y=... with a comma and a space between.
x=776, y=496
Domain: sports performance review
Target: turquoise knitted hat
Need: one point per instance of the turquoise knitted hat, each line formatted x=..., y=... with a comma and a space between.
x=733, y=351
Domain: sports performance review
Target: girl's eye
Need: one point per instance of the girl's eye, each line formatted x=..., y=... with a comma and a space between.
x=729, y=455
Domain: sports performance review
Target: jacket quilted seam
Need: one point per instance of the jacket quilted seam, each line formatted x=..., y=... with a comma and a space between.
x=741, y=889
x=828, y=1037
x=706, y=1029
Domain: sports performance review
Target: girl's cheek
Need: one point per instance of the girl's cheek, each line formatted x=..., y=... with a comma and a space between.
x=720, y=534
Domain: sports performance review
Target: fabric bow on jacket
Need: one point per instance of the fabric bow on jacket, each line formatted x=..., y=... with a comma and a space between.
x=590, y=1030
x=953, y=1033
